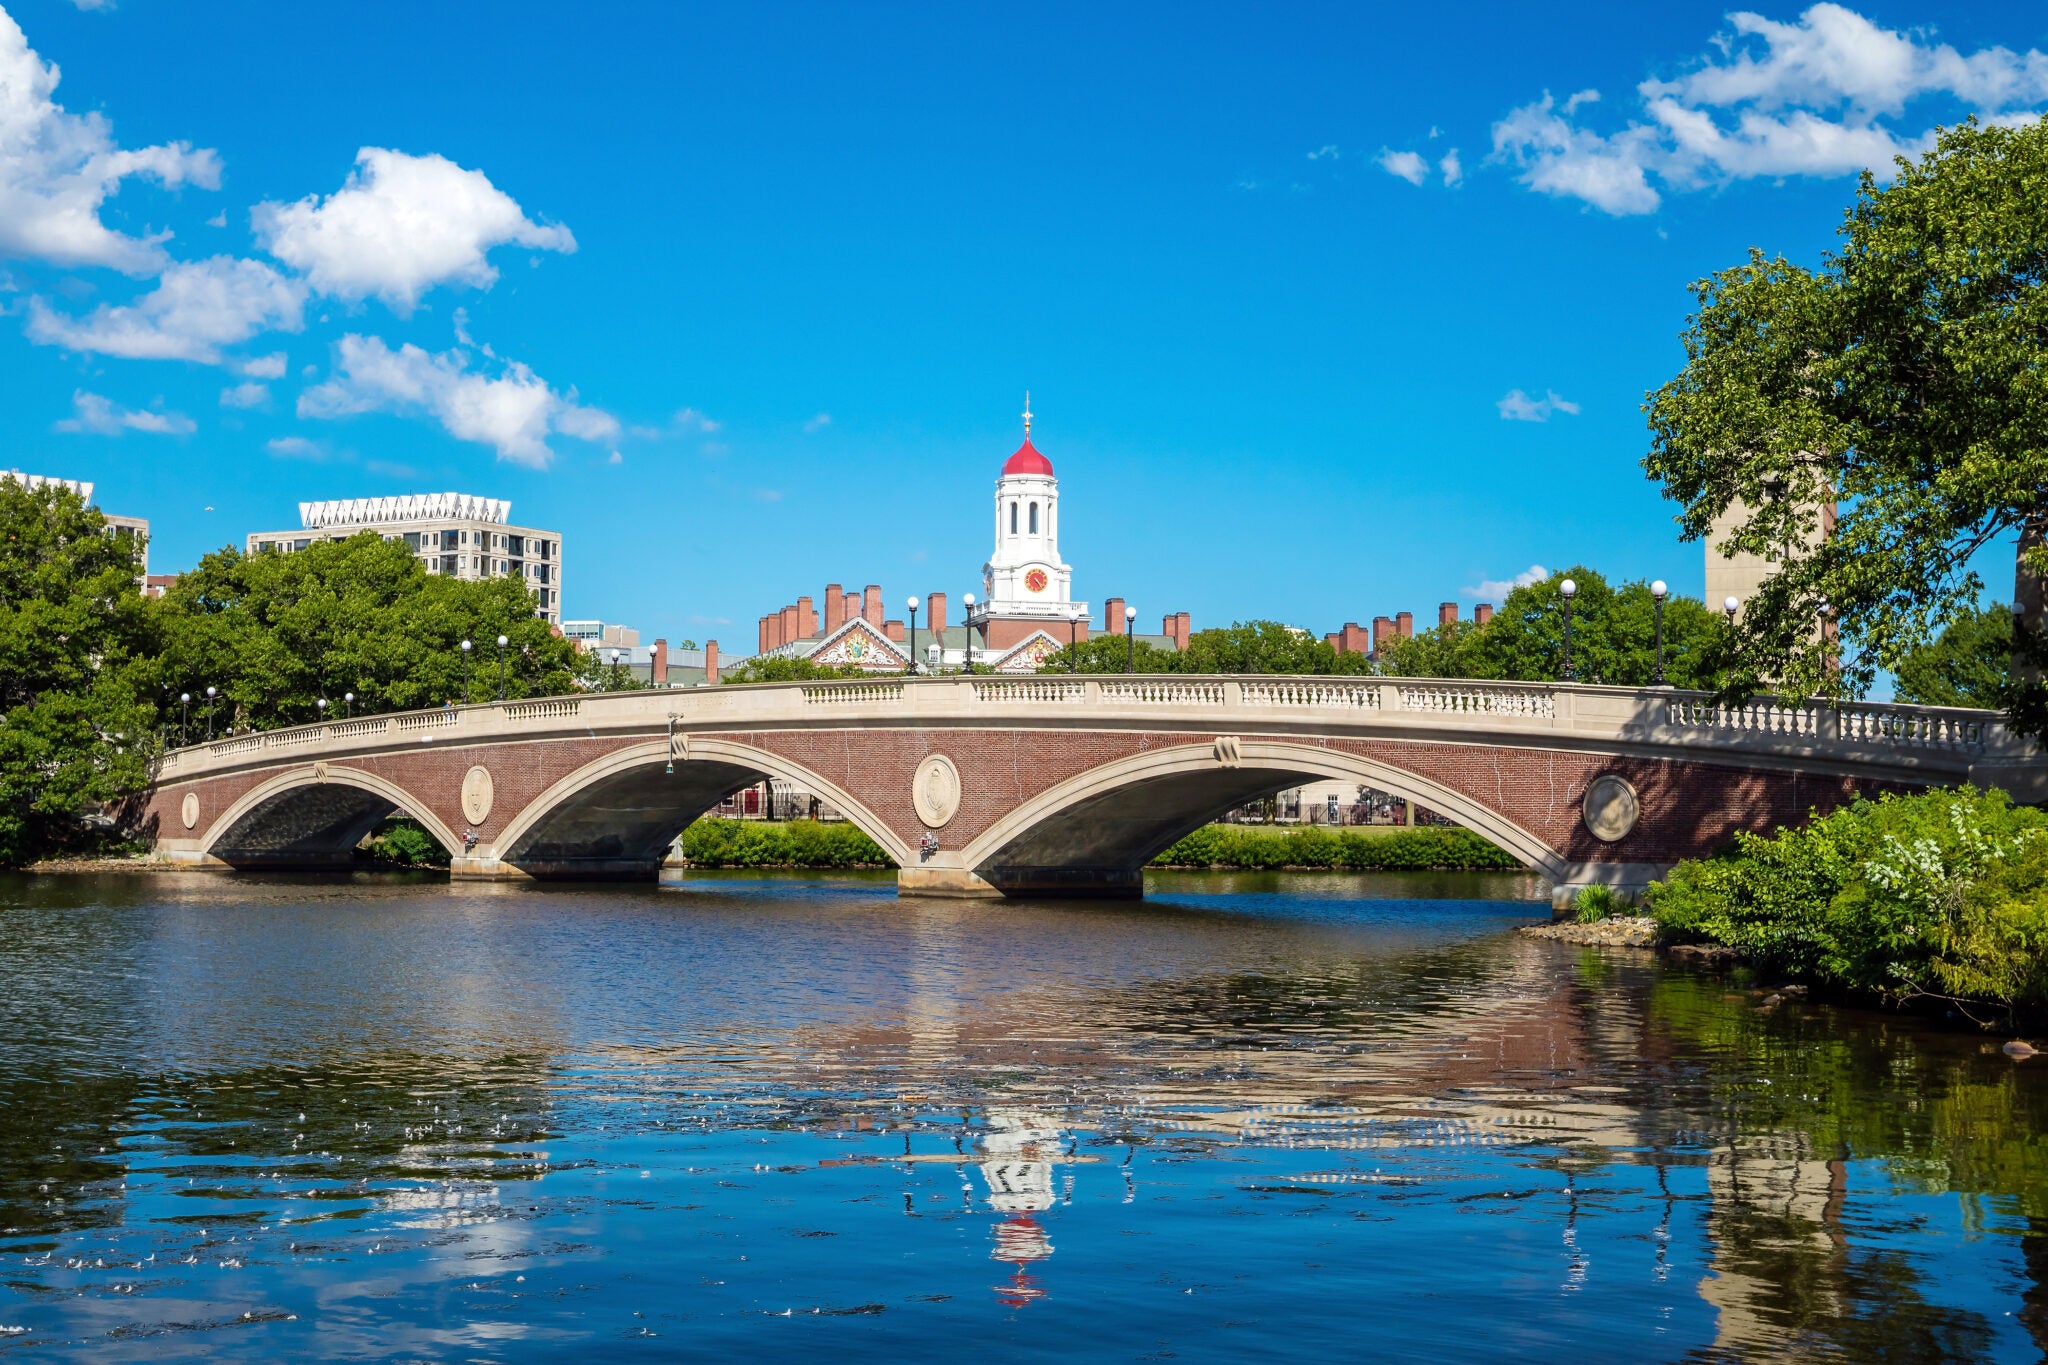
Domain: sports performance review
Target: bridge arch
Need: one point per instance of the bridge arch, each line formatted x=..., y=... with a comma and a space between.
x=1098, y=829
x=618, y=814
x=314, y=816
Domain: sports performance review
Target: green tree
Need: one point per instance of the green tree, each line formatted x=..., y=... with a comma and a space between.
x=1901, y=378
x=785, y=668
x=1968, y=664
x=278, y=632
x=1108, y=654
x=1614, y=638
x=74, y=637
x=1265, y=647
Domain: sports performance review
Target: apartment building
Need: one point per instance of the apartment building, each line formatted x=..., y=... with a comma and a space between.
x=451, y=533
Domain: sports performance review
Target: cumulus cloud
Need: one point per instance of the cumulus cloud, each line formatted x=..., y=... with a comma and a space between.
x=1453, y=169
x=399, y=226
x=101, y=417
x=1520, y=407
x=1410, y=166
x=1497, y=589
x=294, y=448
x=262, y=366
x=195, y=310
x=1823, y=96
x=250, y=395
x=689, y=419
x=57, y=169
x=513, y=412
x=818, y=423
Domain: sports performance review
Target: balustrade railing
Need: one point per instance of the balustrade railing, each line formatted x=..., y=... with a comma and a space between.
x=1479, y=699
x=851, y=693
x=428, y=720
x=372, y=725
x=1762, y=717
x=552, y=708
x=1153, y=689
x=1353, y=693
x=1029, y=690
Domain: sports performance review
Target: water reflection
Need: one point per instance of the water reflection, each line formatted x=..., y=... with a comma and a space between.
x=244, y=1118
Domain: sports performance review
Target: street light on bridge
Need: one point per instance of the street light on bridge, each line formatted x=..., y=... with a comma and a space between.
x=1658, y=591
x=1073, y=639
x=465, y=672
x=968, y=598
x=211, y=693
x=184, y=702
x=348, y=704
x=1130, y=640
x=502, y=642
x=911, y=602
x=1568, y=590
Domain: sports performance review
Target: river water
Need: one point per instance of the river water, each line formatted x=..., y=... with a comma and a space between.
x=1267, y=1115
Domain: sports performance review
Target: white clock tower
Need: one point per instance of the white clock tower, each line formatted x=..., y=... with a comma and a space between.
x=1025, y=577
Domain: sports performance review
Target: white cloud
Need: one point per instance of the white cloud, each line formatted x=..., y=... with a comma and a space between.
x=90, y=5
x=195, y=309
x=1325, y=153
x=1496, y=589
x=399, y=226
x=1774, y=99
x=616, y=458
x=1520, y=407
x=818, y=423
x=689, y=419
x=58, y=169
x=1408, y=165
x=250, y=395
x=97, y=415
x=514, y=412
x=1452, y=168
x=262, y=366
x=294, y=448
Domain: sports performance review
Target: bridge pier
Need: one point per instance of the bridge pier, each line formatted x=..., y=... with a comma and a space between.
x=484, y=867
x=1627, y=879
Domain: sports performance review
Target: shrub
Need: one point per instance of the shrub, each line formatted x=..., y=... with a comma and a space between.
x=794, y=843
x=399, y=840
x=1256, y=848
x=1942, y=894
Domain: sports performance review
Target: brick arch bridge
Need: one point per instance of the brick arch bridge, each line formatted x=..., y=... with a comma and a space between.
x=1052, y=785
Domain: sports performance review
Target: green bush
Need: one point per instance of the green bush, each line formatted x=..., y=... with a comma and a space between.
x=1942, y=894
x=1252, y=847
x=399, y=840
x=1596, y=903
x=795, y=843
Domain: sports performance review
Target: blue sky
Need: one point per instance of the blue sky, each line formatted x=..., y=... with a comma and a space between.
x=1324, y=313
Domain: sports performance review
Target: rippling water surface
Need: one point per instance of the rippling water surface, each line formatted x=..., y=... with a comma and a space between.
x=1290, y=1116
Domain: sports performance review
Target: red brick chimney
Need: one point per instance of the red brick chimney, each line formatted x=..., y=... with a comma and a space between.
x=1446, y=613
x=761, y=636
x=1404, y=621
x=787, y=629
x=935, y=609
x=850, y=610
x=1332, y=640
x=871, y=604
x=711, y=662
x=1113, y=616
x=1352, y=639
x=806, y=619
x=1382, y=632
x=894, y=630
x=657, y=663
x=1187, y=629
x=1482, y=613
x=835, y=608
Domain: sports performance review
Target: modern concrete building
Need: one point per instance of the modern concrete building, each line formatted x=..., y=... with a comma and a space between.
x=599, y=634
x=135, y=528
x=1740, y=575
x=452, y=533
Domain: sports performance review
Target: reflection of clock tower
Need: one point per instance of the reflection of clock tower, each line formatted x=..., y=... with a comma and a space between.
x=1029, y=588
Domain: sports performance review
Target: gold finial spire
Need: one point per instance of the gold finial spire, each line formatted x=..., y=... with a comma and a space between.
x=1027, y=414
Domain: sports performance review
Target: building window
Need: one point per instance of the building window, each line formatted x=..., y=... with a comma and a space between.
x=447, y=563
x=1034, y=518
x=1013, y=518
x=515, y=545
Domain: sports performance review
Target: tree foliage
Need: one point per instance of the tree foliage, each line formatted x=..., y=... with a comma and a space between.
x=75, y=636
x=1944, y=893
x=1904, y=378
x=766, y=668
x=1242, y=647
x=1968, y=664
x=1614, y=638
x=275, y=633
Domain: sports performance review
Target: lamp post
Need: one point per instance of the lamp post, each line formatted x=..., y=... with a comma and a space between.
x=465, y=672
x=321, y=706
x=184, y=702
x=211, y=693
x=1568, y=590
x=348, y=704
x=502, y=642
x=612, y=684
x=1731, y=605
x=968, y=598
x=1657, y=594
x=1073, y=639
x=1130, y=640
x=911, y=602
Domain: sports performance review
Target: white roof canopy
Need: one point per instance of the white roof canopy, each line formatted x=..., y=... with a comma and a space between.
x=409, y=507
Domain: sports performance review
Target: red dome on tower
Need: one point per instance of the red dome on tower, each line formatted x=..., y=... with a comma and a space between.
x=1027, y=460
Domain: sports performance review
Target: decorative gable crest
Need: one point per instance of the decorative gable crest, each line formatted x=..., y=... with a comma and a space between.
x=1029, y=656
x=858, y=643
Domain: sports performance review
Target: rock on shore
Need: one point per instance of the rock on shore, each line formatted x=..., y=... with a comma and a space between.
x=1616, y=931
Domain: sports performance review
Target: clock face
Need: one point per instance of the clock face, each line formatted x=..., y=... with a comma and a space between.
x=1035, y=581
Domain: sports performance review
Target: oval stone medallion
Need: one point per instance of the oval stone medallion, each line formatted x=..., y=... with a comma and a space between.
x=935, y=790
x=1611, y=808
x=477, y=795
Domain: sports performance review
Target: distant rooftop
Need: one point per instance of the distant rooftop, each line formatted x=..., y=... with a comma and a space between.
x=409, y=507
x=83, y=489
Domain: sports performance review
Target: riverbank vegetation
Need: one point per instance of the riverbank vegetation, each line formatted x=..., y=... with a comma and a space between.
x=1940, y=896
x=1255, y=847
x=792, y=843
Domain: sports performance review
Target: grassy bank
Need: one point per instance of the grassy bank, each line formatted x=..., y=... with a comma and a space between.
x=1254, y=847
x=793, y=843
